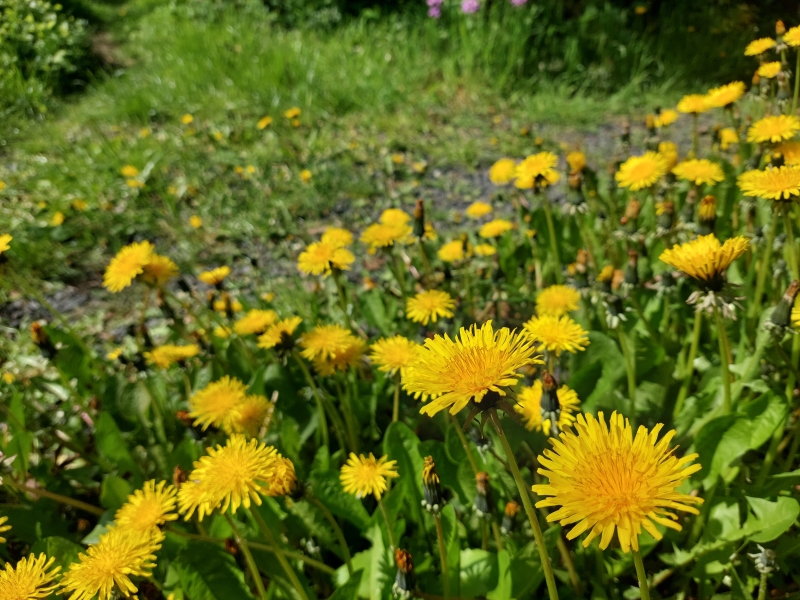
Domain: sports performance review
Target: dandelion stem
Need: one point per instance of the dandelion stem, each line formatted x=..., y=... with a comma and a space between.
x=389, y=530
x=465, y=444
x=566, y=558
x=689, y=366
x=498, y=539
x=796, y=82
x=442, y=554
x=551, y=230
x=630, y=368
x=765, y=266
x=762, y=583
x=641, y=575
x=396, y=403
x=267, y=532
x=336, y=529
x=526, y=502
x=722, y=335
x=248, y=558
x=323, y=423
x=790, y=241
x=43, y=493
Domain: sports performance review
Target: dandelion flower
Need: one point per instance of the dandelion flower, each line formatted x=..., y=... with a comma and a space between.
x=292, y=113
x=669, y=152
x=429, y=305
x=284, y=481
x=249, y=415
x=5, y=242
x=168, y=354
x=337, y=237
x=728, y=137
x=699, y=171
x=790, y=151
x=503, y=171
x=478, y=361
x=792, y=37
x=478, y=209
x=537, y=171
x=640, y=172
x=451, y=251
x=395, y=216
x=529, y=405
x=773, y=183
x=129, y=171
x=775, y=128
x=381, y=235
x=557, y=300
x=58, y=219
x=604, y=479
x=226, y=304
x=214, y=276
x=704, y=259
x=557, y=334
x=362, y=475
x=324, y=341
x=495, y=228
x=187, y=119
x=32, y=577
x=769, y=70
x=576, y=161
x=305, y=175
x=393, y=354
x=255, y=321
x=693, y=104
x=277, y=333
x=759, y=46
x=110, y=563
x=196, y=222
x=321, y=258
x=214, y=404
x=666, y=117
x=149, y=507
x=159, y=270
x=127, y=265
x=341, y=360
x=3, y=529
x=485, y=250
x=264, y=122
x=725, y=95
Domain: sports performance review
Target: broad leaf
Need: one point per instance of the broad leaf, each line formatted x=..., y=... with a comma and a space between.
x=207, y=572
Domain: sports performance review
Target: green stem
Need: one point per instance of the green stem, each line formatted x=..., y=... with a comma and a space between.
x=630, y=368
x=442, y=555
x=43, y=493
x=566, y=558
x=526, y=502
x=389, y=530
x=396, y=403
x=689, y=366
x=762, y=583
x=498, y=539
x=426, y=263
x=796, y=82
x=765, y=266
x=790, y=383
x=638, y=308
x=336, y=529
x=551, y=230
x=248, y=558
x=323, y=422
x=465, y=444
x=790, y=241
x=644, y=590
x=722, y=335
x=267, y=533
x=337, y=278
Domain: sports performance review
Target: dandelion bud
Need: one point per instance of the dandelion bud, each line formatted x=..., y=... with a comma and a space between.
x=483, y=498
x=404, y=582
x=632, y=271
x=707, y=215
x=605, y=277
x=781, y=317
x=650, y=122
x=687, y=213
x=550, y=407
x=625, y=136
x=582, y=258
x=42, y=340
x=756, y=79
x=179, y=476
x=419, y=219
x=665, y=213
x=509, y=517
x=431, y=488
x=780, y=28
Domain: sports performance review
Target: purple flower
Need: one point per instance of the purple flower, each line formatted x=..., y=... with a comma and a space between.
x=470, y=6
x=434, y=12
x=434, y=3
x=518, y=2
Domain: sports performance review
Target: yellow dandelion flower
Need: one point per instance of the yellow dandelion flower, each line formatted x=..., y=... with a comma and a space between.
x=196, y=222
x=127, y=265
x=529, y=405
x=255, y=321
x=5, y=242
x=557, y=334
x=134, y=183
x=168, y=354
x=495, y=228
x=725, y=95
x=393, y=354
x=775, y=128
x=704, y=259
x=320, y=258
x=728, y=137
x=292, y=113
x=429, y=305
x=149, y=507
x=80, y=204
x=229, y=476
x=576, y=161
x=790, y=152
x=557, y=300
x=129, y=171
x=187, y=119
x=485, y=250
x=337, y=237
x=4, y=528
x=284, y=481
x=277, y=333
x=223, y=304
x=264, y=122
x=214, y=276
x=503, y=171
x=666, y=117
x=57, y=219
x=451, y=251
x=604, y=479
x=215, y=403
x=395, y=216
x=249, y=415
x=381, y=235
x=759, y=46
x=32, y=577
x=669, y=152
x=305, y=175
x=159, y=270
x=792, y=37
x=769, y=70
x=699, y=171
x=537, y=170
x=8, y=378
x=110, y=564
x=365, y=475
x=324, y=341
x=478, y=209
x=693, y=104
x=640, y=172
x=773, y=183
x=478, y=361
x=341, y=360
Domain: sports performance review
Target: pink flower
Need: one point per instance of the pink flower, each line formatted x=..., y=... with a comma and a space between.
x=434, y=12
x=470, y=6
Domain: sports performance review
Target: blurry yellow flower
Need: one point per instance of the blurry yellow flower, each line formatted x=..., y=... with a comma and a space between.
x=195, y=221
x=217, y=135
x=305, y=175
x=381, y=235
x=324, y=341
x=704, y=259
x=769, y=70
x=222, y=332
x=693, y=104
x=495, y=228
x=250, y=169
x=255, y=321
x=557, y=300
x=451, y=251
x=337, y=237
x=699, y=171
x=295, y=122
x=666, y=117
x=167, y=355
x=398, y=158
x=669, y=152
x=640, y=172
x=362, y=475
x=128, y=264
x=145, y=132
x=759, y=46
x=340, y=360
x=221, y=305
x=728, y=137
x=320, y=258
x=725, y=95
x=594, y=464
x=640, y=9
x=129, y=171
x=790, y=152
x=114, y=354
x=32, y=577
x=503, y=171
x=216, y=403
x=57, y=219
x=279, y=332
x=536, y=171
x=264, y=122
x=393, y=354
x=214, y=276
x=248, y=416
x=429, y=305
x=773, y=183
x=775, y=128
x=478, y=209
x=152, y=506
x=292, y=113
x=187, y=118
x=419, y=166
x=576, y=161
x=5, y=242
x=79, y=204
x=792, y=37
x=557, y=334
x=268, y=296
x=284, y=480
x=529, y=405
x=394, y=216
x=4, y=527
x=8, y=377
x=134, y=183
x=485, y=250
x=159, y=270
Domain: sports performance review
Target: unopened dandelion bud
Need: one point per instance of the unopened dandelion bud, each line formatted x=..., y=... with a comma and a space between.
x=625, y=136
x=404, y=582
x=431, y=487
x=509, y=517
x=550, y=407
x=632, y=270
x=179, y=476
x=756, y=79
x=781, y=317
x=780, y=28
x=687, y=212
x=483, y=504
x=665, y=215
x=707, y=215
x=419, y=219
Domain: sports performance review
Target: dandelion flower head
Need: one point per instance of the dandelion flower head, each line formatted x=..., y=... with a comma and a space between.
x=759, y=46
x=495, y=228
x=214, y=276
x=149, y=507
x=503, y=171
x=775, y=128
x=451, y=251
x=127, y=265
x=324, y=341
x=485, y=250
x=5, y=242
x=640, y=172
x=790, y=152
x=725, y=95
x=337, y=237
x=321, y=258
x=159, y=270
x=529, y=406
x=277, y=333
x=699, y=171
x=255, y=321
x=428, y=306
x=478, y=209
x=167, y=355
x=32, y=577
x=341, y=360
x=215, y=403
x=557, y=300
x=773, y=183
x=364, y=475
x=394, y=354
x=693, y=104
x=557, y=334
x=576, y=161
x=704, y=259
x=537, y=170
x=769, y=70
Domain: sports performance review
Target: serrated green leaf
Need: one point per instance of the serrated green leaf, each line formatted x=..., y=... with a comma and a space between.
x=479, y=572
x=328, y=489
x=207, y=572
x=111, y=445
x=114, y=491
x=63, y=551
x=768, y=520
